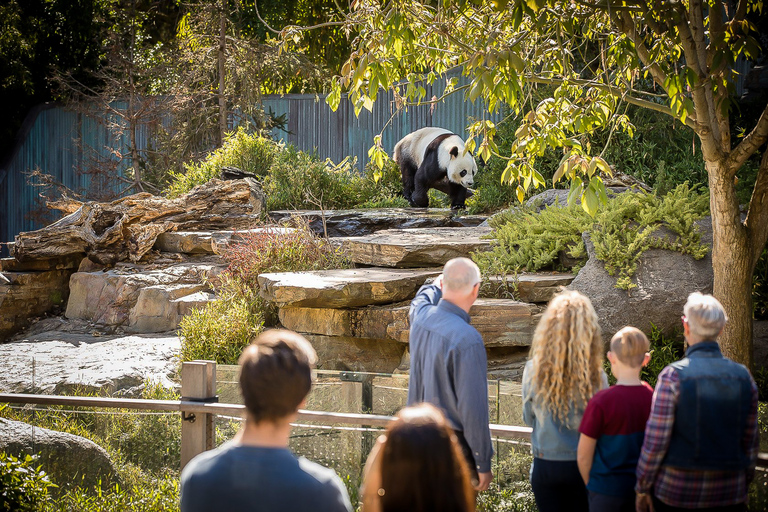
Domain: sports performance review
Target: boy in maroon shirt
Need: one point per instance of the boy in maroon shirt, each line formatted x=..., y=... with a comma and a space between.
x=613, y=427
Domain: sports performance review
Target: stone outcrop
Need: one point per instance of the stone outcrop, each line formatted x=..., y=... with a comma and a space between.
x=344, y=287
x=67, y=356
x=137, y=299
x=206, y=242
x=420, y=247
x=664, y=280
x=340, y=223
x=355, y=354
x=29, y=294
x=382, y=322
x=501, y=322
x=67, y=458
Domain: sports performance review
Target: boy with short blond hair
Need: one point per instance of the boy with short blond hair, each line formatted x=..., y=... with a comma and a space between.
x=613, y=426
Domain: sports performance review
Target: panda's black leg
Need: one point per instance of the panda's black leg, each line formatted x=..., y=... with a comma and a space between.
x=408, y=173
x=458, y=196
x=420, y=198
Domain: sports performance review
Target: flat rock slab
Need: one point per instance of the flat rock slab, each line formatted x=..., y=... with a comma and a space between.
x=362, y=222
x=421, y=247
x=136, y=298
x=528, y=287
x=57, y=362
x=206, y=242
x=344, y=287
x=501, y=322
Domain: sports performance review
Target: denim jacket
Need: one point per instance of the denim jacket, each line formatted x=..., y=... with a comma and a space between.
x=551, y=440
x=712, y=412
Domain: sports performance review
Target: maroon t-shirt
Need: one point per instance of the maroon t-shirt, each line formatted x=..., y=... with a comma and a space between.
x=616, y=417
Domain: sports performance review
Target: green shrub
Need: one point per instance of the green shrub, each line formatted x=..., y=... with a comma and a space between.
x=221, y=329
x=250, y=153
x=300, y=181
x=621, y=231
x=279, y=250
x=23, y=486
x=150, y=495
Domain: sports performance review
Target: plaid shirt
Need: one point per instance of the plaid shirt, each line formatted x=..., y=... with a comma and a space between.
x=688, y=488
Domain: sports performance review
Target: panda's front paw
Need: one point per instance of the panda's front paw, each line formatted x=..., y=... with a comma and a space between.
x=458, y=207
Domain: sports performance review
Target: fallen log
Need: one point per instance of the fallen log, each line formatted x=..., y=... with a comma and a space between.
x=127, y=228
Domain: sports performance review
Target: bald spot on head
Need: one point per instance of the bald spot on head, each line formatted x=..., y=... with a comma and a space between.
x=460, y=275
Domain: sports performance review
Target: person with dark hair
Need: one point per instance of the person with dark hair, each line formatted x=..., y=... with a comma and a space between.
x=449, y=367
x=256, y=470
x=418, y=466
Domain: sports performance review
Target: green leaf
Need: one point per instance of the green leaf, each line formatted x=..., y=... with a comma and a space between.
x=576, y=187
x=520, y=193
x=589, y=202
x=475, y=91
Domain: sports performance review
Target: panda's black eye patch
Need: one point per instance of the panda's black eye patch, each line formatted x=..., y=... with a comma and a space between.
x=463, y=173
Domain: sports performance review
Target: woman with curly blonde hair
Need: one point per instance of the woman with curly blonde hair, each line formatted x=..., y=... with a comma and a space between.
x=564, y=371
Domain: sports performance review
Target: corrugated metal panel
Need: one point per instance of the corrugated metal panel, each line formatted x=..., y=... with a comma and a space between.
x=62, y=142
x=59, y=142
x=313, y=126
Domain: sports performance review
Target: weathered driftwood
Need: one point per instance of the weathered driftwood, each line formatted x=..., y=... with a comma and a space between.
x=126, y=229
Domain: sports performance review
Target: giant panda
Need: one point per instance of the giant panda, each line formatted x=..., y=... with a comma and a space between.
x=429, y=155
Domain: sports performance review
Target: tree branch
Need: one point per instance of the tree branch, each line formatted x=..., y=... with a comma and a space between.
x=626, y=24
x=741, y=10
x=615, y=91
x=748, y=145
x=699, y=37
x=757, y=218
x=706, y=116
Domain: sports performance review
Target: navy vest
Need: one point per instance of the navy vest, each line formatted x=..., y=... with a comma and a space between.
x=711, y=413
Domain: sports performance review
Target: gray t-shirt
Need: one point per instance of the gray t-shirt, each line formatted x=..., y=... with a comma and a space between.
x=250, y=478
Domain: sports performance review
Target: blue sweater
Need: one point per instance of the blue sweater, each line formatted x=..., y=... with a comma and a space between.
x=236, y=478
x=449, y=369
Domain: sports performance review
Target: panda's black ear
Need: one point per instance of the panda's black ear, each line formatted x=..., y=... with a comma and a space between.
x=454, y=151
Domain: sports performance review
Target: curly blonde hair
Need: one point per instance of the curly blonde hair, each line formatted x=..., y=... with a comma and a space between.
x=567, y=355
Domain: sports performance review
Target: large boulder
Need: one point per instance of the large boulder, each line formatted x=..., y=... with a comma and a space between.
x=67, y=458
x=138, y=298
x=664, y=279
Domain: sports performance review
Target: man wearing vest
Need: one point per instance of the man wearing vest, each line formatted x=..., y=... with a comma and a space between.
x=701, y=439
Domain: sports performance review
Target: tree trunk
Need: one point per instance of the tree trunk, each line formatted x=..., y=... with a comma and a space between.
x=732, y=265
x=222, y=59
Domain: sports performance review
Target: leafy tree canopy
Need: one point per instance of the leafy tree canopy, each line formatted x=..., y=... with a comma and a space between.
x=674, y=58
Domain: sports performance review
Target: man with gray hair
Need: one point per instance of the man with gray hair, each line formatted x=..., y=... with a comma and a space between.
x=701, y=439
x=448, y=362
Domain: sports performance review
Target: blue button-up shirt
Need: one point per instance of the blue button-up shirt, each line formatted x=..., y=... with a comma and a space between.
x=449, y=369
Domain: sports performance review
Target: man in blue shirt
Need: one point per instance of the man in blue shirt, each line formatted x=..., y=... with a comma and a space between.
x=448, y=362
x=256, y=470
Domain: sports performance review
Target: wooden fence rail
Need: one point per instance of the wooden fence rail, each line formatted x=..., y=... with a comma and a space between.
x=199, y=407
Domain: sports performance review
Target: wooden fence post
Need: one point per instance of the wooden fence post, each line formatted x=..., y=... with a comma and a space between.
x=198, y=384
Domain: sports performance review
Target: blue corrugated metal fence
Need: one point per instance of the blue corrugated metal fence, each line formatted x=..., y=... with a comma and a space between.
x=60, y=142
